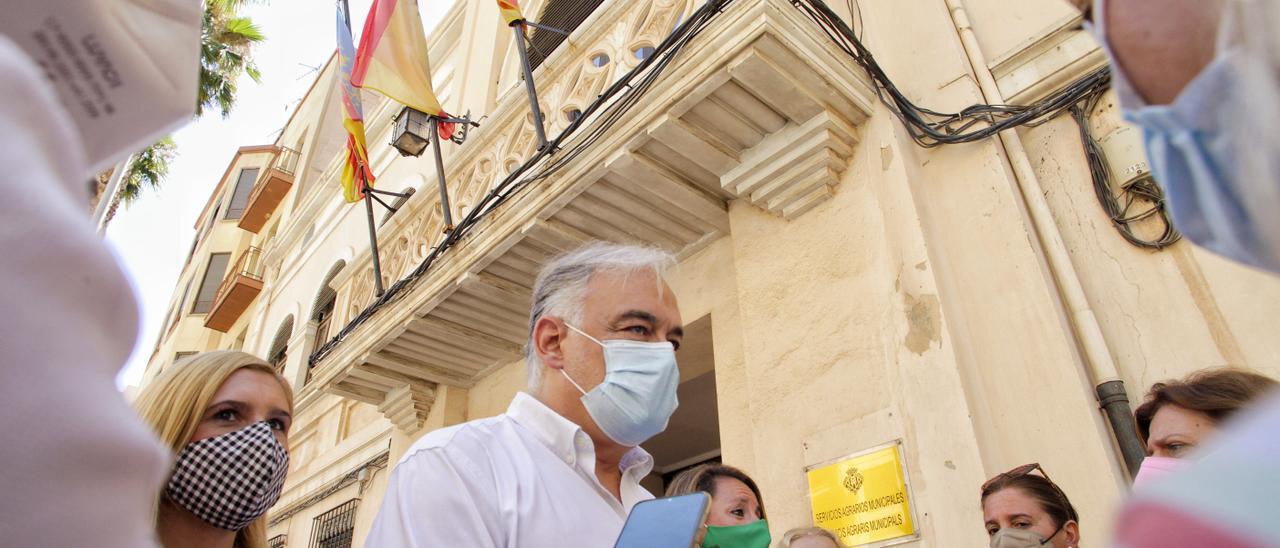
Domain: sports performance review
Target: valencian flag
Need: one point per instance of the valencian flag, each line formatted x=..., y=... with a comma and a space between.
x=392, y=58
x=511, y=11
x=355, y=172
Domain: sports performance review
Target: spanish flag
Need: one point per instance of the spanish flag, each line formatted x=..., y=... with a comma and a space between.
x=355, y=172
x=511, y=11
x=392, y=58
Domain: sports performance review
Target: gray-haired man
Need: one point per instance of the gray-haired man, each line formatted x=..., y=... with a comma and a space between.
x=561, y=467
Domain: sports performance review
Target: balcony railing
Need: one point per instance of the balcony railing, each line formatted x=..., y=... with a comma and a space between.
x=760, y=108
x=238, y=289
x=271, y=188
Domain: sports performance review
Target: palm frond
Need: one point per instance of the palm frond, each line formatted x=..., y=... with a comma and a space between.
x=148, y=169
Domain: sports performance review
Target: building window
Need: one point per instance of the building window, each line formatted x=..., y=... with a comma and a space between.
x=642, y=52
x=176, y=313
x=277, y=541
x=322, y=312
x=334, y=529
x=209, y=285
x=240, y=198
x=599, y=60
x=208, y=225
x=279, y=351
x=324, y=317
x=565, y=15
x=572, y=115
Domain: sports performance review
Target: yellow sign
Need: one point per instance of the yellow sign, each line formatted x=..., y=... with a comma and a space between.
x=863, y=499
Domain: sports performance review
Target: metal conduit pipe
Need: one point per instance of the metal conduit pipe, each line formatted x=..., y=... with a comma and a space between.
x=1099, y=363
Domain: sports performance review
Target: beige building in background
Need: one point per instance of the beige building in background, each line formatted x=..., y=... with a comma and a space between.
x=843, y=287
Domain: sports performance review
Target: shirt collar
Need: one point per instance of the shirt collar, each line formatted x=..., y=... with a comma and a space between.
x=566, y=439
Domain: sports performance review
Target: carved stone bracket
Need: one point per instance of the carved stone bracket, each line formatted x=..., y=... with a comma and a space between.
x=407, y=406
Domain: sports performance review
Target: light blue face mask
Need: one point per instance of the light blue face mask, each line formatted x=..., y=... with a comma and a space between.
x=1223, y=192
x=638, y=394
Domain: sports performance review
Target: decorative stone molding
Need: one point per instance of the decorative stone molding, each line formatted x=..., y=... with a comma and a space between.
x=1061, y=54
x=760, y=107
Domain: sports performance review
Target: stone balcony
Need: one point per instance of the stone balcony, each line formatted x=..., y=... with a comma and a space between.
x=270, y=189
x=237, y=291
x=761, y=107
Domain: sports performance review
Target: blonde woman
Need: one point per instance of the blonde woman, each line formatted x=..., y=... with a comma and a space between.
x=810, y=537
x=736, y=518
x=226, y=416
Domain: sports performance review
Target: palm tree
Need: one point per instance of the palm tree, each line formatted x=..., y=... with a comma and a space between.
x=226, y=42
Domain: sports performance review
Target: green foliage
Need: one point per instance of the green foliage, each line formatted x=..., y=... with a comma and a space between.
x=148, y=169
x=225, y=43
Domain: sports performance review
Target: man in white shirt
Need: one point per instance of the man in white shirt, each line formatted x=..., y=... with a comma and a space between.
x=561, y=467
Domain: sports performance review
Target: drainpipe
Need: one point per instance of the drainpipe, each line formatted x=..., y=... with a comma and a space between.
x=1099, y=363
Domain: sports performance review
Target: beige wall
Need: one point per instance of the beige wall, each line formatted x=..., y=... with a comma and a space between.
x=915, y=304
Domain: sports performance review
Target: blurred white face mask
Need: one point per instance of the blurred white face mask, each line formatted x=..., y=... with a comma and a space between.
x=1216, y=148
x=125, y=70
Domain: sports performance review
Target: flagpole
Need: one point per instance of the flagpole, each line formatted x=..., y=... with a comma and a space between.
x=373, y=237
x=444, y=189
x=532, y=90
x=364, y=190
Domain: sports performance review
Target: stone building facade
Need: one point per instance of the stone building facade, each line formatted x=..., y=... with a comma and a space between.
x=843, y=287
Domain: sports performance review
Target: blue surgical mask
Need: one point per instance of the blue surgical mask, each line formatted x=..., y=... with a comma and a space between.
x=1209, y=150
x=638, y=394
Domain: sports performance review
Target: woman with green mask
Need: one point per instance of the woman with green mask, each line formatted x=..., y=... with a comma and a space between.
x=736, y=518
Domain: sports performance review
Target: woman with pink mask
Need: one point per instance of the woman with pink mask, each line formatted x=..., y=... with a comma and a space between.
x=1177, y=416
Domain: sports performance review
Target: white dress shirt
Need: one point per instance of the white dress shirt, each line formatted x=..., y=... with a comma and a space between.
x=525, y=478
x=78, y=467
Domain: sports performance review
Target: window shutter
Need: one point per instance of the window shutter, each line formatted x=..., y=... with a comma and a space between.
x=565, y=15
x=209, y=285
x=244, y=188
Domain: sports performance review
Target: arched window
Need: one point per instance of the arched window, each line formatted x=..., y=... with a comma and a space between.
x=564, y=15
x=279, y=351
x=322, y=309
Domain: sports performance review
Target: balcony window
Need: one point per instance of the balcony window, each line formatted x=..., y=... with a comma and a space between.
x=269, y=191
x=240, y=197
x=335, y=528
x=237, y=291
x=209, y=284
x=565, y=15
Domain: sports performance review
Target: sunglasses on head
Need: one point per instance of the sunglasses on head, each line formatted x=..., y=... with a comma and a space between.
x=1017, y=473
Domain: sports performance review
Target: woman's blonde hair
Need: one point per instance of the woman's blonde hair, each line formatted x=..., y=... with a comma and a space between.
x=703, y=478
x=801, y=532
x=175, y=402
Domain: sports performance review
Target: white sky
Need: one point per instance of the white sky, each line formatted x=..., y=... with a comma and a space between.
x=153, y=236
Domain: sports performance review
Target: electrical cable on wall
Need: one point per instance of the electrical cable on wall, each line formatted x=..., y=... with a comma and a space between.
x=1141, y=188
x=930, y=128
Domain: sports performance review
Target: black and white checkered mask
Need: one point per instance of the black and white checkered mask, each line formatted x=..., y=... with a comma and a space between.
x=232, y=479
